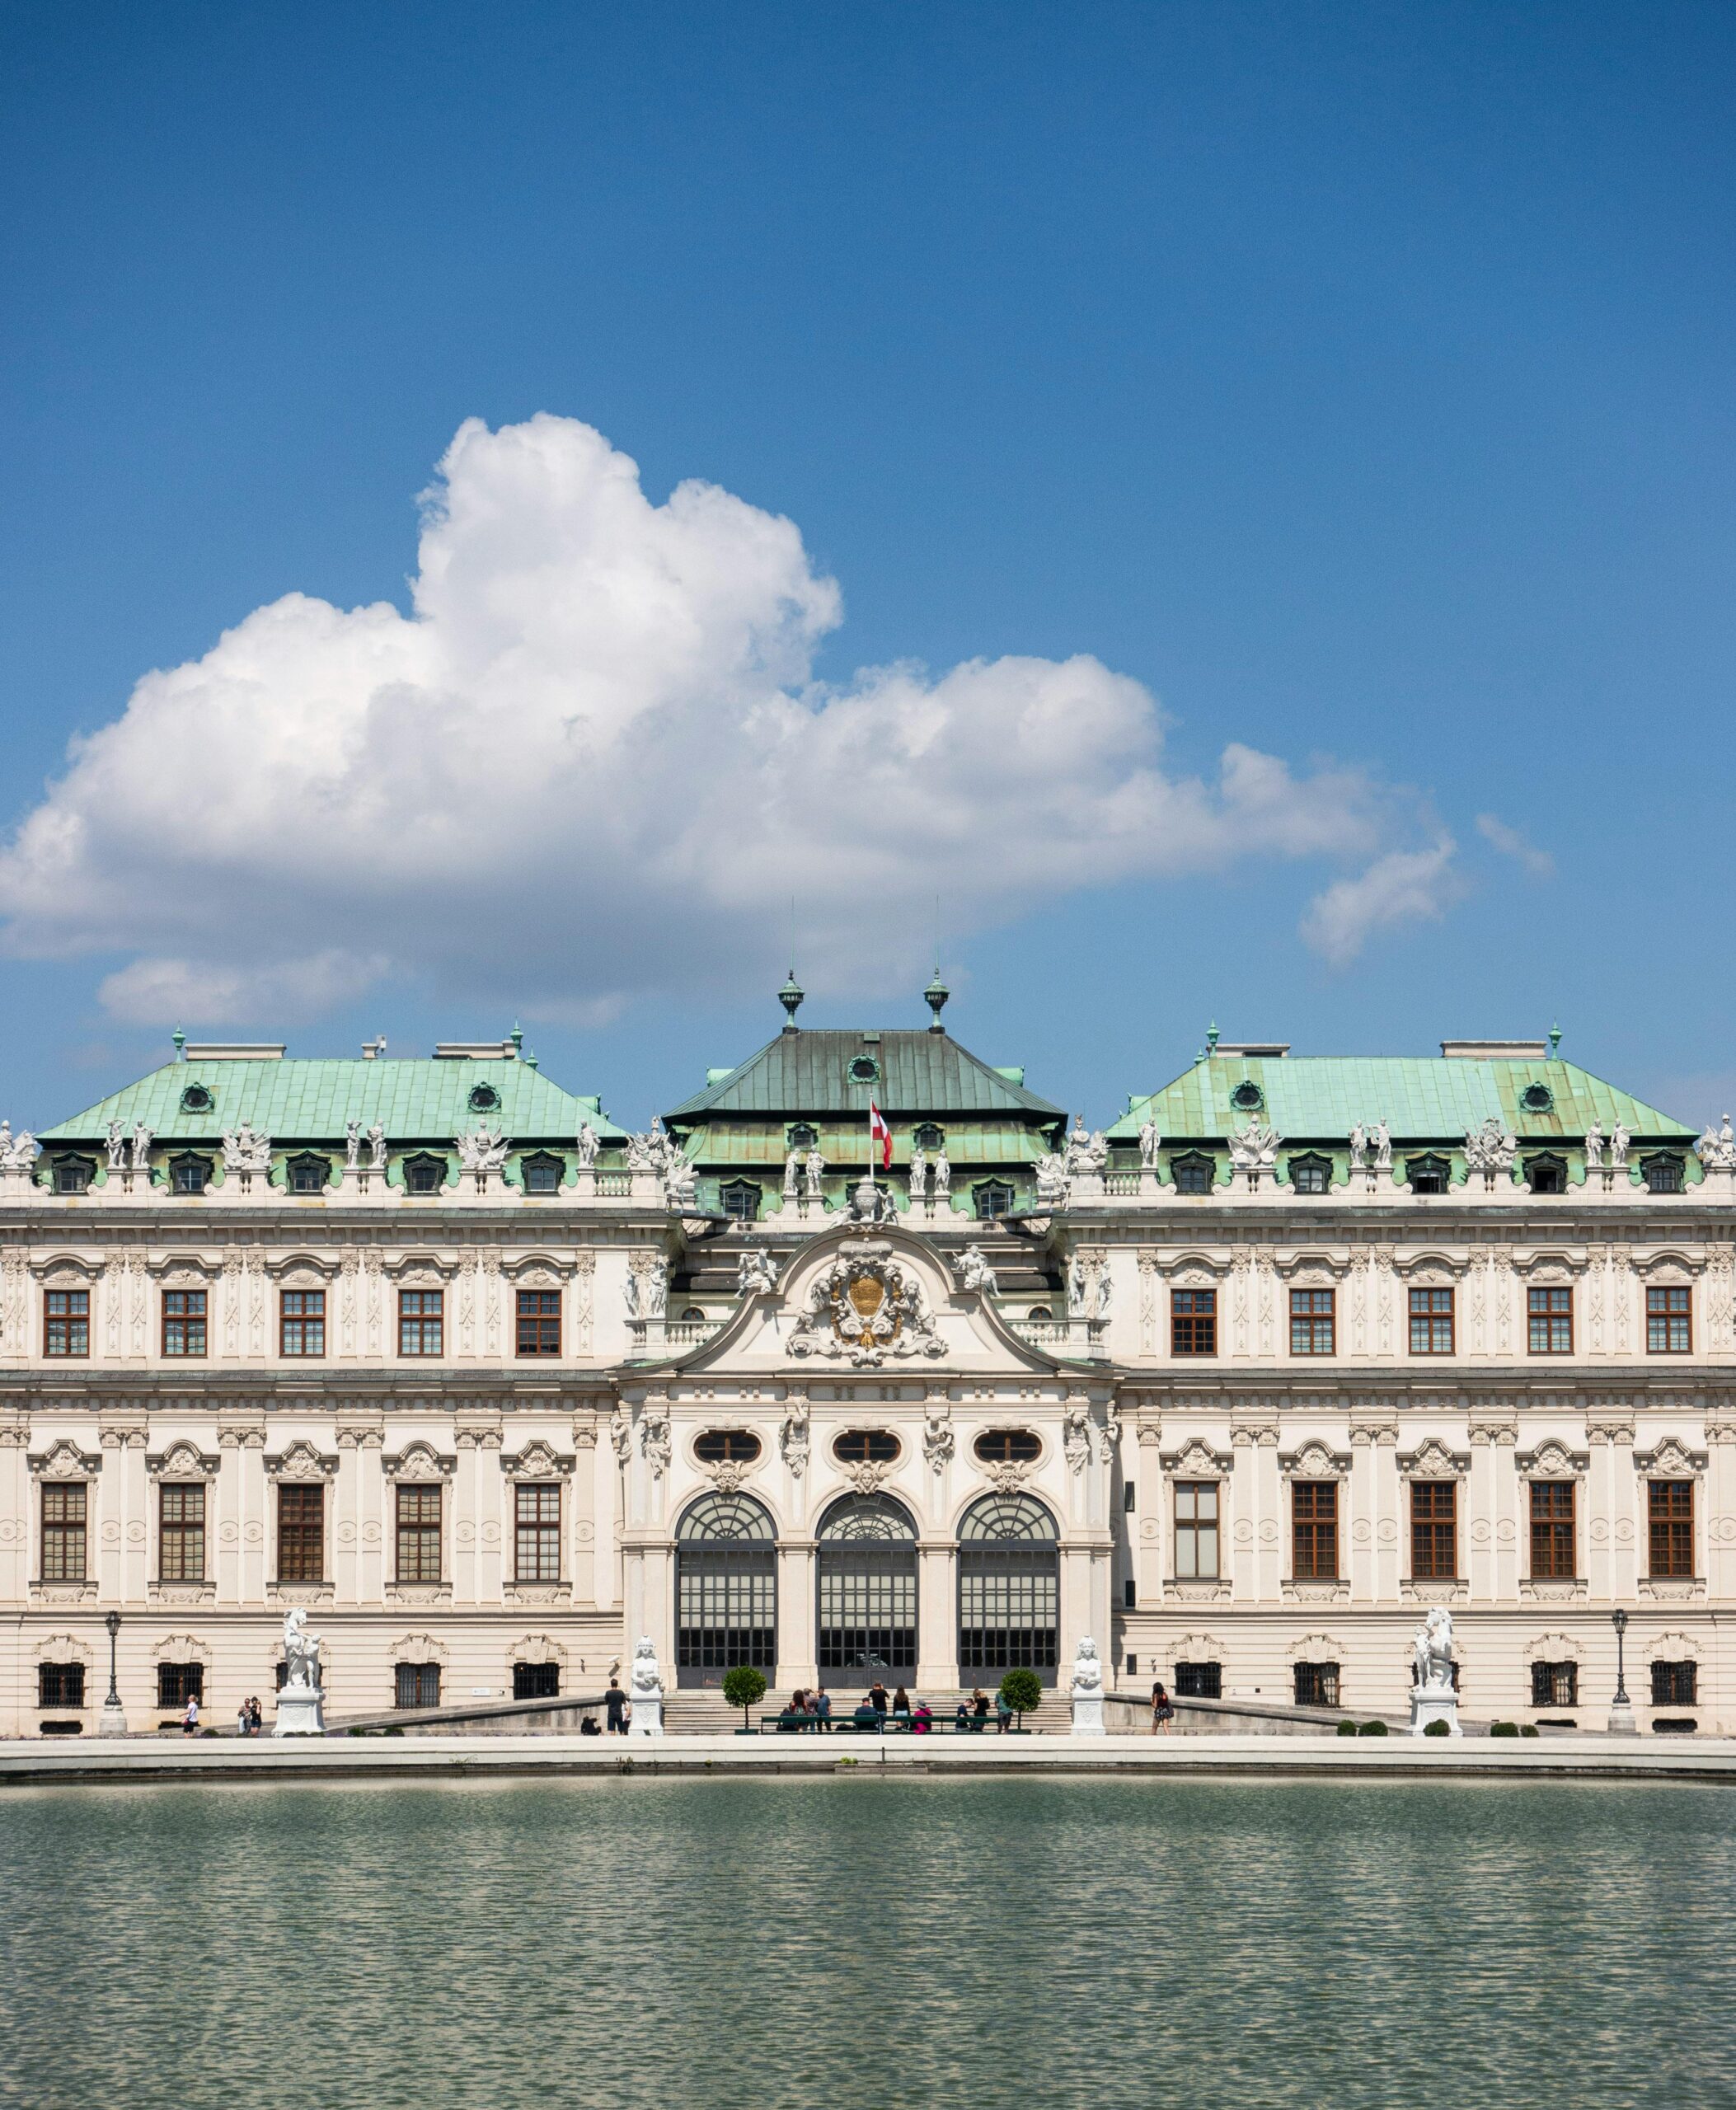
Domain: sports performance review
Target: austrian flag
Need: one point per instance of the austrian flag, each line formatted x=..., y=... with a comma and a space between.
x=879, y=1132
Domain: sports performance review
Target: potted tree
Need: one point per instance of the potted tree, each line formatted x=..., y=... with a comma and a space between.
x=745, y=1687
x=1022, y=1690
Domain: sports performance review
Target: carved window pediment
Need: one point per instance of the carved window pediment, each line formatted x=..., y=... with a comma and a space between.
x=537, y=1461
x=538, y=1271
x=182, y=1460
x=64, y=1648
x=301, y=1461
x=417, y=1648
x=184, y=1271
x=1315, y=1460
x=419, y=1271
x=420, y=1462
x=63, y=1461
x=182, y=1649
x=67, y=1270
x=1551, y=1461
x=302, y=1270
x=1669, y=1460
x=1196, y=1460
x=1430, y=1265
x=1433, y=1460
x=1302, y=1269
x=1318, y=1648
x=1194, y=1270
x=1550, y=1264
x=1667, y=1267
x=1553, y=1648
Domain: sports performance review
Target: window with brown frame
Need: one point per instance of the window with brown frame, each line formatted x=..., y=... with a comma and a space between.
x=1550, y=1321
x=1316, y=1685
x=1434, y=1531
x=1196, y=1530
x=1008, y=1447
x=1668, y=1321
x=1553, y=1539
x=536, y=1681
x=1194, y=1322
x=1312, y=1314
x=865, y=1446
x=62, y=1685
x=1555, y=1684
x=65, y=1508
x=726, y=1446
x=184, y=1322
x=537, y=1519
x=1314, y=1530
x=418, y=1534
x=302, y=1322
x=422, y=1322
x=301, y=1534
x=1670, y=1508
x=1675, y=1683
x=1431, y=1322
x=181, y=1531
x=539, y=1322
x=66, y=1322
x=177, y=1683
x=415, y=1685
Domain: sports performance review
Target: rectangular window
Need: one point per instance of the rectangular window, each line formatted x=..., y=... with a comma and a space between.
x=1674, y=1684
x=1314, y=1530
x=417, y=1685
x=177, y=1683
x=302, y=1322
x=419, y=1535
x=182, y=1516
x=1550, y=1313
x=1434, y=1531
x=537, y=1513
x=62, y=1685
x=1552, y=1537
x=1554, y=1685
x=1196, y=1530
x=1671, y=1506
x=301, y=1534
x=184, y=1322
x=539, y=1322
x=1431, y=1322
x=66, y=1328
x=1199, y=1681
x=1193, y=1321
x=421, y=1321
x=1317, y=1684
x=64, y=1513
x=536, y=1681
x=1669, y=1329
x=1311, y=1321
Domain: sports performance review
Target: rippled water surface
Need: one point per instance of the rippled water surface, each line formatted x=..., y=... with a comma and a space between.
x=859, y=1941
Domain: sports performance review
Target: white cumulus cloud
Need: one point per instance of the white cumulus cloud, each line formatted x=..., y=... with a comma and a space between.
x=592, y=762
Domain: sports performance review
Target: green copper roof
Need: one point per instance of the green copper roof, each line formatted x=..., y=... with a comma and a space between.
x=916, y=1072
x=1318, y=1099
x=313, y=1100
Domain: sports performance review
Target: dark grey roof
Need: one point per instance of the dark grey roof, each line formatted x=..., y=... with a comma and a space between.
x=920, y=1072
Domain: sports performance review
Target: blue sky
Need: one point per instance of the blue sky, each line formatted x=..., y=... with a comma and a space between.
x=1353, y=382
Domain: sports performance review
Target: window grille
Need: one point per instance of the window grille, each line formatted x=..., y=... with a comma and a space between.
x=1675, y=1683
x=536, y=1681
x=177, y=1683
x=1554, y=1685
x=1009, y=1588
x=62, y=1685
x=1199, y=1681
x=1317, y=1684
x=416, y=1685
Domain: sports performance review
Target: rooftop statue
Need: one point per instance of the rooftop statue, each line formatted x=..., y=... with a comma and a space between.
x=756, y=1273
x=1149, y=1143
x=942, y=1175
x=483, y=1151
x=1489, y=1148
x=377, y=1147
x=816, y=1164
x=352, y=1145
x=975, y=1274
x=1254, y=1148
x=142, y=1137
x=1594, y=1146
x=1619, y=1140
x=1716, y=1149
x=587, y=1147
x=117, y=1143
x=246, y=1151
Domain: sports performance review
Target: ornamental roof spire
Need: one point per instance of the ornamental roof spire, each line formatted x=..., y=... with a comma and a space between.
x=935, y=996
x=791, y=998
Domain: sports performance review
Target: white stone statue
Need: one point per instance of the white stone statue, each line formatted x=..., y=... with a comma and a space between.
x=1716, y=1149
x=644, y=1691
x=352, y=1147
x=116, y=1144
x=1103, y=1290
x=1150, y=1141
x=647, y=1289
x=483, y=1151
x=23, y=1154
x=1489, y=1149
x=792, y=1437
x=938, y=1439
x=1051, y=1182
x=792, y=1175
x=1382, y=1146
x=1619, y=1140
x=756, y=1273
x=142, y=1141
x=1076, y=1284
x=1433, y=1698
x=300, y=1701
x=1085, y=1689
x=812, y=1171
x=587, y=1147
x=377, y=1148
x=246, y=1152
x=1075, y=1440
x=942, y=1169
x=918, y=1173
x=681, y=1182
x=1594, y=1146
x=974, y=1271
x=1254, y=1148
x=1358, y=1146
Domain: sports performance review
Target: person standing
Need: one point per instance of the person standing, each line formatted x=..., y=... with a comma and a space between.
x=616, y=1701
x=243, y=1720
x=1163, y=1713
x=190, y=1720
x=256, y=1716
x=822, y=1711
x=877, y=1700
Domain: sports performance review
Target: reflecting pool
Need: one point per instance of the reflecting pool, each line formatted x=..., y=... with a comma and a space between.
x=864, y=1941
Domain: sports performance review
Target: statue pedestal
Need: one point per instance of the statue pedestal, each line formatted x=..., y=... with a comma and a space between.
x=647, y=1714
x=1088, y=1714
x=300, y=1711
x=1622, y=1722
x=113, y=1721
x=1435, y=1704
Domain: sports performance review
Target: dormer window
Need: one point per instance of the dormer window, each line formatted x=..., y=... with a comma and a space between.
x=929, y=1136
x=72, y=1175
x=1427, y=1175
x=993, y=1199
x=189, y=1174
x=542, y=1172
x=1661, y=1173
x=740, y=1199
x=196, y=1099
x=1194, y=1173
x=1537, y=1099
x=309, y=1174
x=1311, y=1174
x=424, y=1174
x=1545, y=1175
x=483, y=1099
x=1247, y=1098
x=804, y=1136
x=864, y=1070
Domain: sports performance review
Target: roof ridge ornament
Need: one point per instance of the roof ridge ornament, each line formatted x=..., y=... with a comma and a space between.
x=935, y=996
x=791, y=998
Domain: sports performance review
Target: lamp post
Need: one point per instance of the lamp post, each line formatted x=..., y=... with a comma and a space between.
x=113, y=1721
x=1622, y=1722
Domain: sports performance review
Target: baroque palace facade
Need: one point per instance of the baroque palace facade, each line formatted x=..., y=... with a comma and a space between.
x=1235, y=1387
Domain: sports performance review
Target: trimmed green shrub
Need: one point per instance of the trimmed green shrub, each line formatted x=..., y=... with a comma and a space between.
x=1023, y=1692
x=1436, y=1729
x=1506, y=1728
x=1530, y=1729
x=745, y=1687
x=1372, y=1729
x=1347, y=1728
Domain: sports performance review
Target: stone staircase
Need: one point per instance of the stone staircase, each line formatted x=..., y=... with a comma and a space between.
x=689, y=1713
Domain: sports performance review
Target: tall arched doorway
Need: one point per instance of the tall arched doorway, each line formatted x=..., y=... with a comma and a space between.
x=1009, y=1589
x=867, y=1583
x=725, y=1589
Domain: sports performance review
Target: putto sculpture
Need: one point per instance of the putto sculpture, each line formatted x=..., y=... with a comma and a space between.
x=756, y=1273
x=864, y=1307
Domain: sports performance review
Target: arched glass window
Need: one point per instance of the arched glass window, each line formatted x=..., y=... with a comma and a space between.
x=1661, y=1173
x=866, y=1581
x=1310, y=1174
x=725, y=1589
x=867, y=1447
x=189, y=1174
x=1009, y=1588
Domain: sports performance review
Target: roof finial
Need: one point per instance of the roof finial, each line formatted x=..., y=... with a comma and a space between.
x=1554, y=1041
x=530, y=1060
x=1211, y=1038
x=180, y=1039
x=791, y=998
x=516, y=1037
x=935, y=996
